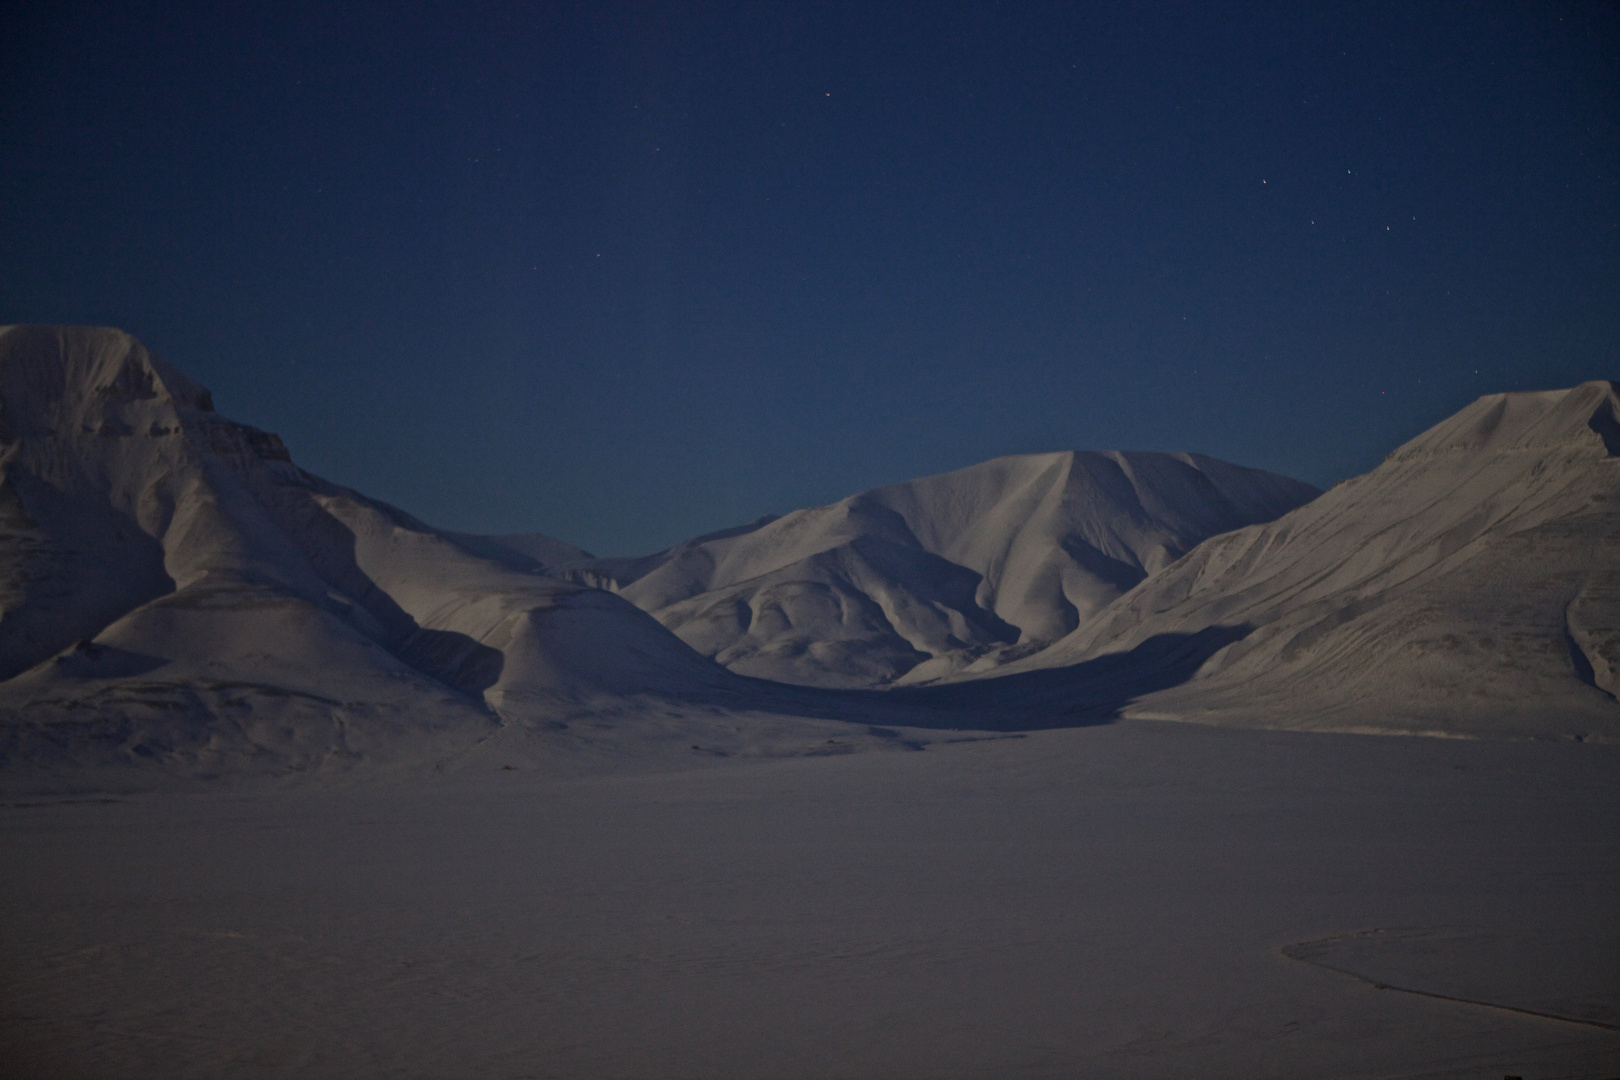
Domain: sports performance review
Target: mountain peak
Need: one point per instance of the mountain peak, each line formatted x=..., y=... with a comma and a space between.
x=73, y=372
x=921, y=578
x=1585, y=419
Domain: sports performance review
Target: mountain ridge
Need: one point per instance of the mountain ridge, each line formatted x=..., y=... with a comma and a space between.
x=1465, y=583
x=175, y=587
x=930, y=575
x=177, y=595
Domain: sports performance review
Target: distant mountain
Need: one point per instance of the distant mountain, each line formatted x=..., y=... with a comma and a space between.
x=1468, y=585
x=921, y=579
x=172, y=586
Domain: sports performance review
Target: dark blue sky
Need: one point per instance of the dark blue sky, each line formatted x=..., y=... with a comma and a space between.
x=625, y=273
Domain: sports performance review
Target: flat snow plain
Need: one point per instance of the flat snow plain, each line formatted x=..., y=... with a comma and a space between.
x=1121, y=900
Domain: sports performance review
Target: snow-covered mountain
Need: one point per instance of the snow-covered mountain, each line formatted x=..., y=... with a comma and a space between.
x=921, y=579
x=174, y=589
x=1468, y=585
x=171, y=584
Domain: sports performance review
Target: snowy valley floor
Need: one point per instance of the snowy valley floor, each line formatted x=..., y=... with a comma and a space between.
x=1130, y=900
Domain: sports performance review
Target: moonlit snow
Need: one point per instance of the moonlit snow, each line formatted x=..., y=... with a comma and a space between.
x=297, y=785
x=925, y=578
x=1469, y=585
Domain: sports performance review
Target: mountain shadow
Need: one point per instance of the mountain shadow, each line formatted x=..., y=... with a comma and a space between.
x=1091, y=692
x=331, y=548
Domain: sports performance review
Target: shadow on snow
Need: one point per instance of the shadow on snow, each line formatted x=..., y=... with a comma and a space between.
x=1091, y=692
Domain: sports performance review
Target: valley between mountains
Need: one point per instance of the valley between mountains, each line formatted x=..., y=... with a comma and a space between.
x=182, y=600
x=1088, y=763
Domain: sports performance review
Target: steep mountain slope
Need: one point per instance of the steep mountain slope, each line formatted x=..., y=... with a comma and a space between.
x=172, y=586
x=1470, y=584
x=920, y=579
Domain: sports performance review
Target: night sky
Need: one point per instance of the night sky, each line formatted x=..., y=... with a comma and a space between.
x=625, y=273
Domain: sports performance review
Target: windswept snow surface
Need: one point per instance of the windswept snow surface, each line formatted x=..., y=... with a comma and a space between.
x=1122, y=902
x=915, y=581
x=174, y=590
x=1470, y=585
